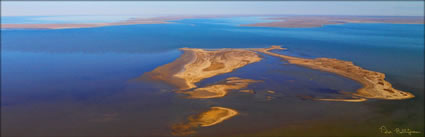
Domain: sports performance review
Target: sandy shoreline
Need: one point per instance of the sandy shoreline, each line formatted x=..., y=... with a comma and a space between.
x=374, y=83
x=166, y=72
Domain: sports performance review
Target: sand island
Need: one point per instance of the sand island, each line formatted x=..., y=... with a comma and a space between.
x=374, y=83
x=198, y=64
x=210, y=117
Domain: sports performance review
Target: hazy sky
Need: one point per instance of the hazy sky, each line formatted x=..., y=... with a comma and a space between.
x=388, y=8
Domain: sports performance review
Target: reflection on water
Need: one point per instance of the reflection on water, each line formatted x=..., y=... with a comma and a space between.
x=80, y=82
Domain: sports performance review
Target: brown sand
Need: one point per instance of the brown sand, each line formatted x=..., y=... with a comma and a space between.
x=270, y=91
x=197, y=64
x=343, y=100
x=319, y=21
x=166, y=72
x=374, y=84
x=220, y=89
x=208, y=118
x=247, y=91
x=268, y=98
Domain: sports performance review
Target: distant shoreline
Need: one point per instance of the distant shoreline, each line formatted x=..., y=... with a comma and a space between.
x=293, y=21
x=130, y=21
x=319, y=21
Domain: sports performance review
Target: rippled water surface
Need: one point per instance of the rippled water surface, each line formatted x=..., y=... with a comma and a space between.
x=81, y=82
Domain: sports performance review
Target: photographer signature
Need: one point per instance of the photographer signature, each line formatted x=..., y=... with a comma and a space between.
x=388, y=131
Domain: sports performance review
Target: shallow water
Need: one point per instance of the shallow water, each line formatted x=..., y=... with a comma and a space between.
x=81, y=81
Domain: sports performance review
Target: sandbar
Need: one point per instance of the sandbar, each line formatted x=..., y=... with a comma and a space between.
x=271, y=91
x=247, y=91
x=210, y=117
x=374, y=83
x=342, y=100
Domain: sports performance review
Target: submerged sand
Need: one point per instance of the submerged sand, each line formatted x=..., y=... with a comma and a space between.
x=374, y=83
x=220, y=89
x=210, y=117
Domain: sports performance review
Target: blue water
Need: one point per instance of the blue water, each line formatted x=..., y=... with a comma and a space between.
x=90, y=71
x=397, y=47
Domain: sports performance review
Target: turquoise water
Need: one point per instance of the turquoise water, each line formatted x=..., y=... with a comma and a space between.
x=81, y=81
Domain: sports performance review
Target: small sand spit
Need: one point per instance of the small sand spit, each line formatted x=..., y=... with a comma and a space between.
x=211, y=117
x=247, y=91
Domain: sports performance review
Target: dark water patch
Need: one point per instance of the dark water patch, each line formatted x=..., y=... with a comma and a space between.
x=326, y=90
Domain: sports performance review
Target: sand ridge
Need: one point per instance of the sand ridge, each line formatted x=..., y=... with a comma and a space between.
x=344, y=100
x=374, y=83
